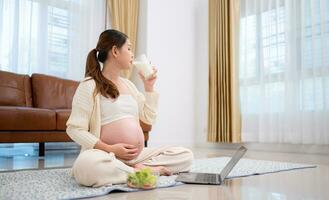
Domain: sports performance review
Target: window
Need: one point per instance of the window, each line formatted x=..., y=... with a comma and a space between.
x=58, y=39
x=275, y=46
x=50, y=37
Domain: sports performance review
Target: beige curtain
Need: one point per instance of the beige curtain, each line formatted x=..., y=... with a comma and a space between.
x=122, y=15
x=224, y=118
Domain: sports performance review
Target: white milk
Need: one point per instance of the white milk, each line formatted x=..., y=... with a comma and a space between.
x=144, y=65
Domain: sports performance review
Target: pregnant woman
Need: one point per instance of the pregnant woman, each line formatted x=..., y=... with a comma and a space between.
x=106, y=110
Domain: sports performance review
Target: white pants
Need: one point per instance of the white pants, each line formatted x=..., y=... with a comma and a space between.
x=97, y=168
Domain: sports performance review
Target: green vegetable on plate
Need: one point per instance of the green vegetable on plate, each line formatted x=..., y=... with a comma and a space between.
x=143, y=178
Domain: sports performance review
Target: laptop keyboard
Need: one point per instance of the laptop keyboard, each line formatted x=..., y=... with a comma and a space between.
x=206, y=178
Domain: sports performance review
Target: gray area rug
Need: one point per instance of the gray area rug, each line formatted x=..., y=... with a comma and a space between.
x=58, y=184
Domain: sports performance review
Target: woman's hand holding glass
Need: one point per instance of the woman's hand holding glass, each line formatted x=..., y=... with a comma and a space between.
x=149, y=82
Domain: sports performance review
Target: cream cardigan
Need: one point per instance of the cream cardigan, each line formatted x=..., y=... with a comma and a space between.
x=84, y=123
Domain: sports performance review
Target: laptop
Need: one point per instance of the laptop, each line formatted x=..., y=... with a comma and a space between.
x=213, y=179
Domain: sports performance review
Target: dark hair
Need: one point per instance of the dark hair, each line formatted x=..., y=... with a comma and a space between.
x=106, y=41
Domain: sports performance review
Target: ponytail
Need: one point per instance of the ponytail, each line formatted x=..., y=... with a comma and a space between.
x=93, y=69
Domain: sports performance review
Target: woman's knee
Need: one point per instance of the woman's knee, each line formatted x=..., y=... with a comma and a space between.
x=189, y=156
x=186, y=153
x=186, y=158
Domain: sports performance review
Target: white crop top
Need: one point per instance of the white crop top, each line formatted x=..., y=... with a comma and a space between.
x=124, y=106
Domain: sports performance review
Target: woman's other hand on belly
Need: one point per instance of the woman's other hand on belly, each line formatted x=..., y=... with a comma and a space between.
x=124, y=151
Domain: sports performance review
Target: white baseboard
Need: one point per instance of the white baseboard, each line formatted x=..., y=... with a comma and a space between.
x=272, y=147
x=164, y=143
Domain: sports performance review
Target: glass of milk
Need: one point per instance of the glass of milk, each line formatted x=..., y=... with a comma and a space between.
x=144, y=65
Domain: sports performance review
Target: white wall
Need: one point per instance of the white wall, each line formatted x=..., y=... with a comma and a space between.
x=169, y=34
x=202, y=74
x=171, y=47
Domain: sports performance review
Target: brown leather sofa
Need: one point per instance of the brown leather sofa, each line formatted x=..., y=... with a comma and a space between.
x=36, y=108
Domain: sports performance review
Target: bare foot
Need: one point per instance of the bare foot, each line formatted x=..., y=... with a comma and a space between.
x=161, y=170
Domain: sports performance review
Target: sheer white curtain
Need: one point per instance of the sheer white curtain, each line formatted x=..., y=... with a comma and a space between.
x=284, y=71
x=48, y=36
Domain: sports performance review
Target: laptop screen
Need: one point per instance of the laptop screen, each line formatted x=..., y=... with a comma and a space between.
x=235, y=159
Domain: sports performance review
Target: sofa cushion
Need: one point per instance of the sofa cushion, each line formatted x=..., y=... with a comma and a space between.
x=62, y=115
x=15, y=89
x=26, y=118
x=52, y=92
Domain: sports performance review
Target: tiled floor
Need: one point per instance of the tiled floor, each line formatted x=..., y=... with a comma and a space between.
x=296, y=184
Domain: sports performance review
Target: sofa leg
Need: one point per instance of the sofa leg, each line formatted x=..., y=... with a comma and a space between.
x=41, y=149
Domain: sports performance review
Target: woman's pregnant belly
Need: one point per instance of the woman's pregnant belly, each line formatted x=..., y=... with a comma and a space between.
x=126, y=131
